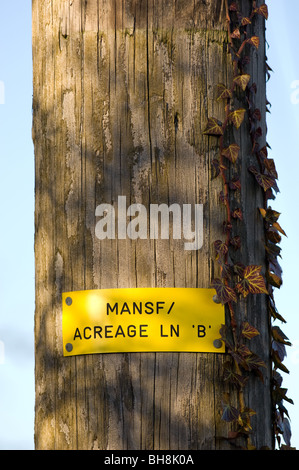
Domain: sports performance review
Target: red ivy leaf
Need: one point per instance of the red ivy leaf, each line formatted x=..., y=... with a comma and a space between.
x=213, y=127
x=253, y=361
x=252, y=282
x=249, y=331
x=239, y=269
x=224, y=293
x=265, y=181
x=230, y=413
x=237, y=214
x=233, y=7
x=242, y=80
x=279, y=336
x=221, y=248
x=236, y=34
x=271, y=168
x=217, y=167
x=270, y=215
x=278, y=363
x=245, y=21
x=236, y=242
x=273, y=279
x=273, y=235
x=237, y=117
x=235, y=183
x=223, y=92
x=231, y=152
x=278, y=227
x=263, y=10
x=233, y=377
x=257, y=115
x=254, y=40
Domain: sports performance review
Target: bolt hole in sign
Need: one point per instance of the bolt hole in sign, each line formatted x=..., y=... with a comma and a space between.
x=141, y=320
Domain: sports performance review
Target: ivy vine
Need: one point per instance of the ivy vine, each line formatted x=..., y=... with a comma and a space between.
x=237, y=281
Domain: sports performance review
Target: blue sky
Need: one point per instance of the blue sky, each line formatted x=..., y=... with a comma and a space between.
x=17, y=207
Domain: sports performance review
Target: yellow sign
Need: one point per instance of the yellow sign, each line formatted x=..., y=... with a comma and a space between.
x=141, y=320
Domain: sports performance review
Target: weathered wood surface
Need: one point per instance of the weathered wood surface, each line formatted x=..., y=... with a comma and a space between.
x=122, y=92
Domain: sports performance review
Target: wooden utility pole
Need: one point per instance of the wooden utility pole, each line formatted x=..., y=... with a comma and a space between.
x=122, y=93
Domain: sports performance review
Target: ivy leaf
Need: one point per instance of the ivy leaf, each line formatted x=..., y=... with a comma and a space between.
x=265, y=181
x=237, y=214
x=271, y=168
x=270, y=215
x=278, y=227
x=217, y=167
x=249, y=331
x=226, y=270
x=287, y=433
x=273, y=235
x=213, y=127
x=235, y=183
x=242, y=80
x=233, y=7
x=236, y=242
x=221, y=248
x=231, y=152
x=223, y=92
x=236, y=34
x=240, y=353
x=237, y=117
x=245, y=21
x=273, y=279
x=279, y=336
x=254, y=41
x=279, y=349
x=273, y=250
x=224, y=292
x=244, y=419
x=239, y=269
x=278, y=363
x=253, y=361
x=252, y=282
x=224, y=332
x=274, y=312
x=263, y=11
x=230, y=413
x=280, y=394
x=257, y=115
x=233, y=377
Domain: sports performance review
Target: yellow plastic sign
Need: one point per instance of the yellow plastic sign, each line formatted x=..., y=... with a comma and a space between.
x=141, y=320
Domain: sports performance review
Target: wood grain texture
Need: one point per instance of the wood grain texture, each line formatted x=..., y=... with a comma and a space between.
x=122, y=92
